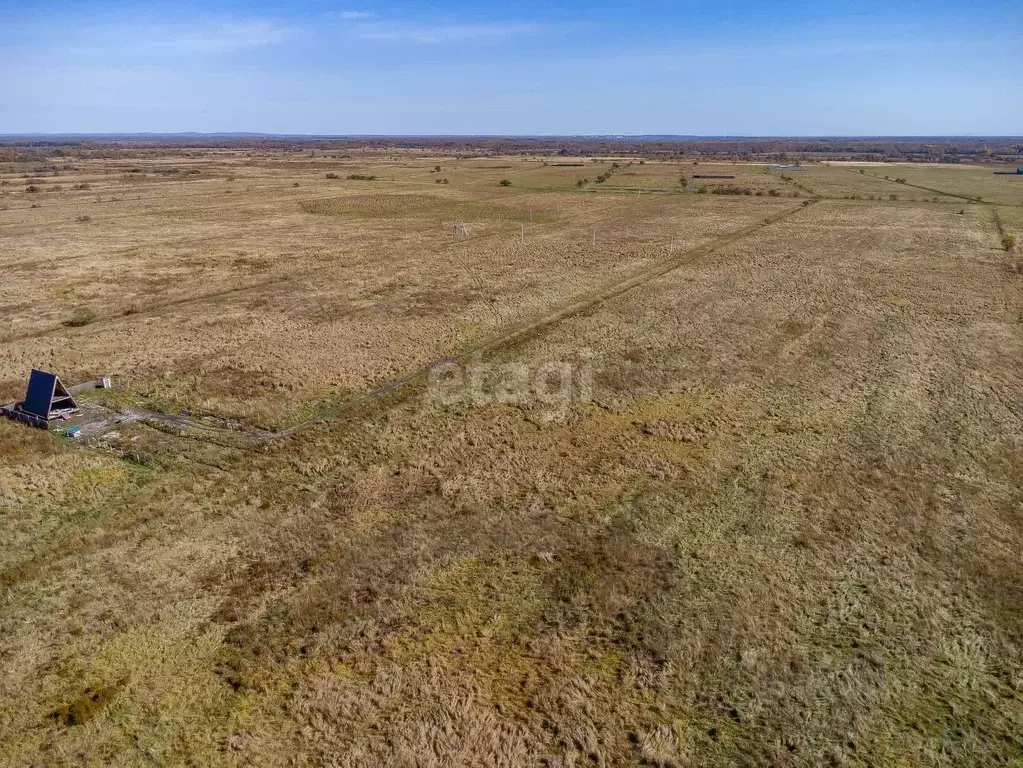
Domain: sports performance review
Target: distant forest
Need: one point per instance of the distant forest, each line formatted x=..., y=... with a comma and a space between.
x=863, y=149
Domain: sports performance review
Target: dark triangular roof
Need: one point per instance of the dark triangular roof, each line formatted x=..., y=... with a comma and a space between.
x=46, y=394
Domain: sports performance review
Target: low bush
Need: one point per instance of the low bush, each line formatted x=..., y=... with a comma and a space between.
x=81, y=316
x=731, y=189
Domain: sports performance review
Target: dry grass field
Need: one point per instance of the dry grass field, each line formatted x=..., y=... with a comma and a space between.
x=784, y=528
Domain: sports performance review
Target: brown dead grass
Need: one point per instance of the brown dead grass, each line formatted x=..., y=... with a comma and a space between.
x=785, y=531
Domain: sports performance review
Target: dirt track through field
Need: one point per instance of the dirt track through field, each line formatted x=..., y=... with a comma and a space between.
x=399, y=390
x=970, y=199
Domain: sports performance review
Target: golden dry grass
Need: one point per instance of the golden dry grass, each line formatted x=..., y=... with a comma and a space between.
x=785, y=531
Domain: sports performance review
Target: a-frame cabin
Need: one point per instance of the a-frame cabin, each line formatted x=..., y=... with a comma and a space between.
x=47, y=397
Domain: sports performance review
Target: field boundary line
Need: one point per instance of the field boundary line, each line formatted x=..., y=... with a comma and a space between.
x=977, y=200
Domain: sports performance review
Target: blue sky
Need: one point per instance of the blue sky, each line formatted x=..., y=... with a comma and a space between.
x=703, y=68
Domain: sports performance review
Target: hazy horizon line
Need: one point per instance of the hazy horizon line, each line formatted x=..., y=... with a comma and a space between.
x=260, y=134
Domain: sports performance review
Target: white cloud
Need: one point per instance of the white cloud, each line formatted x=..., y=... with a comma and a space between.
x=201, y=36
x=433, y=34
x=225, y=37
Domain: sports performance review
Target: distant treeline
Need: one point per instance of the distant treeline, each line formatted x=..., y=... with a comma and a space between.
x=921, y=149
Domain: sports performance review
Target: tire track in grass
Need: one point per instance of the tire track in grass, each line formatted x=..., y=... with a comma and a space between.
x=975, y=199
x=399, y=390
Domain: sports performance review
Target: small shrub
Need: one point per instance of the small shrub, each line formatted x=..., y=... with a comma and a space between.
x=333, y=176
x=1009, y=243
x=893, y=197
x=84, y=219
x=31, y=189
x=731, y=189
x=80, y=186
x=82, y=316
x=361, y=177
x=295, y=184
x=505, y=183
